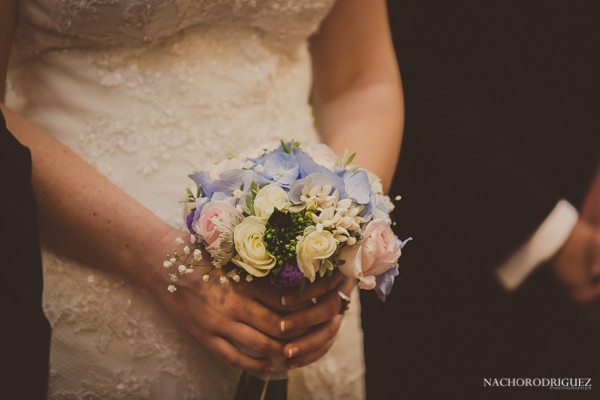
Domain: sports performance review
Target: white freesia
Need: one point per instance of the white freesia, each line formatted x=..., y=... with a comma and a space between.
x=252, y=254
x=313, y=247
x=268, y=198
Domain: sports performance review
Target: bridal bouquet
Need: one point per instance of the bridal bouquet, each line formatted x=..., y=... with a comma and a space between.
x=291, y=214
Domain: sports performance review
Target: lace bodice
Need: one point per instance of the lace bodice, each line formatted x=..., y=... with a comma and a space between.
x=147, y=91
x=48, y=24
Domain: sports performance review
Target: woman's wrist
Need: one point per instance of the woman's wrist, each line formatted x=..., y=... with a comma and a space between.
x=148, y=270
x=172, y=244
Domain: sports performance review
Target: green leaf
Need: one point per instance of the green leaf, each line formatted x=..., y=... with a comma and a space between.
x=198, y=191
x=285, y=147
x=229, y=154
x=322, y=269
x=295, y=145
x=254, y=187
x=247, y=210
x=349, y=159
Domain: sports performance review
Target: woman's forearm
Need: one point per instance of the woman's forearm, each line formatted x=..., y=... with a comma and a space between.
x=367, y=121
x=85, y=216
x=357, y=89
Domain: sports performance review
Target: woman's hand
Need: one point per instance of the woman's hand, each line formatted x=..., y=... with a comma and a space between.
x=221, y=316
x=318, y=323
x=251, y=314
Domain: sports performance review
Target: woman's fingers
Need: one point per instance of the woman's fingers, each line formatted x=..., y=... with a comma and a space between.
x=233, y=356
x=313, y=345
x=326, y=308
x=255, y=314
x=258, y=344
x=234, y=303
x=292, y=298
x=264, y=292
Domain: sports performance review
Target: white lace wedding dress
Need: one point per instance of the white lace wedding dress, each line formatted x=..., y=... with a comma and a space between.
x=147, y=91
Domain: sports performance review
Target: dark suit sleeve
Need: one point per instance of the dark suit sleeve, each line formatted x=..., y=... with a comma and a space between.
x=25, y=333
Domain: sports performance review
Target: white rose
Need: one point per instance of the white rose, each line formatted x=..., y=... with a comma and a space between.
x=252, y=255
x=268, y=198
x=312, y=248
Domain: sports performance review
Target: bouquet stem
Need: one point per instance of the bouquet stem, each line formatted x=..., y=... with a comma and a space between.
x=252, y=388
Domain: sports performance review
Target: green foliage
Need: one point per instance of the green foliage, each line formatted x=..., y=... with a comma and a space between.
x=345, y=160
x=281, y=232
x=289, y=149
x=254, y=187
x=249, y=207
x=190, y=197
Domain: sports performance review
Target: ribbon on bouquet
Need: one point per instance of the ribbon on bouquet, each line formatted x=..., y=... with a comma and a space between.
x=253, y=388
x=257, y=385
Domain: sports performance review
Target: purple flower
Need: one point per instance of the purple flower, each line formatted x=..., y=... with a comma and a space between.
x=385, y=282
x=189, y=221
x=290, y=276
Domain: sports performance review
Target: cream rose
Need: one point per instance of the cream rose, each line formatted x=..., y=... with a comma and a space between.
x=252, y=255
x=268, y=198
x=375, y=254
x=312, y=248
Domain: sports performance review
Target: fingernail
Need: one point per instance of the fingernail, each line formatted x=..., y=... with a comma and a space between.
x=283, y=301
x=286, y=325
x=292, y=352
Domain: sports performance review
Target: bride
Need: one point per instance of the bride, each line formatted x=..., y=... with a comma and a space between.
x=118, y=100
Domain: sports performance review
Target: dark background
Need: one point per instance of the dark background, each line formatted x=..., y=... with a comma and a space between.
x=502, y=121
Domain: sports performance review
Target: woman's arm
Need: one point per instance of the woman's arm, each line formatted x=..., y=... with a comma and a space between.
x=357, y=89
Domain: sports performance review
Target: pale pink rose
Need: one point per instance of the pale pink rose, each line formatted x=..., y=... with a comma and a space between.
x=205, y=225
x=215, y=171
x=377, y=252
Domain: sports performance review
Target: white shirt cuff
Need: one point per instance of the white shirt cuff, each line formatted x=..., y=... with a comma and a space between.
x=545, y=242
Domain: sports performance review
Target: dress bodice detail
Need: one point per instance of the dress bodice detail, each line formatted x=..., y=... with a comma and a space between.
x=51, y=24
